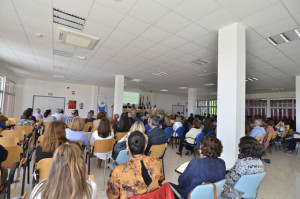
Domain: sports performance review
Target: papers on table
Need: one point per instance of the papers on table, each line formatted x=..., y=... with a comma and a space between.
x=182, y=168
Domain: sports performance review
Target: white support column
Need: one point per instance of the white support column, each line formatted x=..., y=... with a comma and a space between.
x=118, y=98
x=231, y=90
x=192, y=100
x=298, y=103
x=268, y=108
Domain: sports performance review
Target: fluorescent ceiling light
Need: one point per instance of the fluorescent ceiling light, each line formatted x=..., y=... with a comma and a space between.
x=39, y=34
x=164, y=90
x=277, y=89
x=159, y=73
x=284, y=37
x=58, y=76
x=136, y=80
x=182, y=87
x=271, y=41
x=210, y=84
x=251, y=79
x=81, y=57
x=297, y=32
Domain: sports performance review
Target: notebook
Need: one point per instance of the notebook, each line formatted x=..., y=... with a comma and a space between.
x=182, y=168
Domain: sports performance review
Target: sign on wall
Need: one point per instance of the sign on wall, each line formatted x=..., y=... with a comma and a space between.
x=102, y=103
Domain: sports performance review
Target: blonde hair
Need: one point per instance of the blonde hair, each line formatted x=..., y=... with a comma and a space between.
x=77, y=124
x=138, y=126
x=67, y=175
x=54, y=135
x=116, y=116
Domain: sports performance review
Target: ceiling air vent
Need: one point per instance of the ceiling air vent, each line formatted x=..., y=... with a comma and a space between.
x=78, y=39
x=158, y=73
x=62, y=53
x=285, y=37
x=199, y=62
x=209, y=75
x=68, y=19
x=59, y=67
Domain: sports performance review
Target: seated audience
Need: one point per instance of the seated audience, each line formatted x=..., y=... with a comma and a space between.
x=167, y=123
x=269, y=130
x=99, y=117
x=53, y=137
x=153, y=109
x=103, y=133
x=48, y=117
x=75, y=131
x=58, y=116
x=137, y=117
x=89, y=117
x=131, y=119
x=31, y=117
x=71, y=117
x=141, y=174
x=62, y=115
x=172, y=118
x=25, y=121
x=3, y=119
x=68, y=176
x=177, y=124
x=208, y=168
x=257, y=129
x=249, y=162
x=124, y=124
x=145, y=118
x=37, y=113
x=156, y=136
x=280, y=127
x=190, y=137
x=115, y=119
x=191, y=118
x=208, y=126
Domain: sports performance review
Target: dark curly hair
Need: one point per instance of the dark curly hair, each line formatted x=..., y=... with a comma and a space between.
x=250, y=147
x=211, y=146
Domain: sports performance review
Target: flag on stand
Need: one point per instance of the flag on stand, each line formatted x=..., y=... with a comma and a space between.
x=143, y=104
x=147, y=103
x=140, y=103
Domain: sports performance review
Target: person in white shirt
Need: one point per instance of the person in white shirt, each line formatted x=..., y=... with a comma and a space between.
x=57, y=115
x=69, y=169
x=104, y=132
x=62, y=115
x=48, y=117
x=153, y=109
x=177, y=124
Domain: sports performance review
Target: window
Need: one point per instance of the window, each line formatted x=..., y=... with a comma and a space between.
x=207, y=106
x=7, y=96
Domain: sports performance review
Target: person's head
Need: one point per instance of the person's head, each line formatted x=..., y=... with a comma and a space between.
x=90, y=115
x=100, y=115
x=208, y=123
x=116, y=117
x=26, y=114
x=197, y=124
x=172, y=117
x=75, y=113
x=30, y=110
x=54, y=136
x=153, y=121
x=137, y=115
x=58, y=110
x=92, y=112
x=125, y=123
x=104, y=129
x=136, y=143
x=61, y=111
x=69, y=169
x=38, y=110
x=154, y=106
x=182, y=118
x=191, y=115
x=137, y=126
x=250, y=147
x=128, y=104
x=129, y=115
x=77, y=124
x=168, y=121
x=178, y=119
x=270, y=123
x=210, y=147
x=3, y=119
x=47, y=113
x=257, y=123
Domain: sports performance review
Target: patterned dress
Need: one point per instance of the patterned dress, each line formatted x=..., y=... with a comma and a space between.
x=244, y=166
x=126, y=179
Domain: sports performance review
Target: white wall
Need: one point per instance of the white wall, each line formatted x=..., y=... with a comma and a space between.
x=26, y=88
x=4, y=70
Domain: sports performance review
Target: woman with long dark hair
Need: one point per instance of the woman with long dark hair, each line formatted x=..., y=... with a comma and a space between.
x=124, y=124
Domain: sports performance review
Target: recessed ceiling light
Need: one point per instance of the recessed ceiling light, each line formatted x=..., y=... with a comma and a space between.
x=277, y=89
x=81, y=57
x=285, y=38
x=251, y=79
x=159, y=73
x=210, y=84
x=39, y=34
x=271, y=41
x=136, y=80
x=164, y=90
x=199, y=62
x=297, y=32
x=182, y=87
x=58, y=76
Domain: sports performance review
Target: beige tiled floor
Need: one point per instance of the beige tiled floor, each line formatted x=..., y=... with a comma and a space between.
x=281, y=182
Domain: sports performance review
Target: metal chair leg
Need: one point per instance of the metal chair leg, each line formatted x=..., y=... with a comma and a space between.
x=28, y=172
x=89, y=164
x=23, y=180
x=104, y=172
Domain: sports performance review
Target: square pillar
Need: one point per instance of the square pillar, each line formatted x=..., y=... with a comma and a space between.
x=192, y=101
x=118, y=97
x=231, y=90
x=297, y=103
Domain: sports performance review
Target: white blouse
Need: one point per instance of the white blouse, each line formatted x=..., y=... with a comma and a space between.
x=95, y=137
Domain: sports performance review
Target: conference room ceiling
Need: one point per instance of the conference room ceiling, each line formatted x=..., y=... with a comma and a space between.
x=141, y=37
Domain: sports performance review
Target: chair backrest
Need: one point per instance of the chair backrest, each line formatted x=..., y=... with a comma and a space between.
x=44, y=166
x=39, y=120
x=68, y=124
x=120, y=135
x=270, y=135
x=94, y=129
x=40, y=139
x=19, y=133
x=27, y=128
x=180, y=131
x=249, y=184
x=283, y=134
x=12, y=121
x=14, y=155
x=103, y=146
x=164, y=192
x=207, y=190
x=199, y=138
x=47, y=124
x=123, y=156
x=9, y=141
x=274, y=135
x=79, y=142
x=259, y=138
x=158, y=150
x=147, y=128
x=87, y=126
x=169, y=131
x=291, y=131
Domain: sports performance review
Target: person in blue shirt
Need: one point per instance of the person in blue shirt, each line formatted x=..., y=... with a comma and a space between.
x=3, y=119
x=257, y=130
x=208, y=168
x=75, y=132
x=137, y=118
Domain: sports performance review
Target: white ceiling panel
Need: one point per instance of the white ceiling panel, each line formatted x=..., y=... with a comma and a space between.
x=133, y=26
x=115, y=45
x=158, y=48
x=142, y=43
x=122, y=6
x=192, y=32
x=149, y=54
x=189, y=48
x=175, y=54
x=155, y=34
x=207, y=40
x=122, y=36
x=172, y=22
x=168, y=3
x=138, y=60
x=36, y=23
x=79, y=8
x=148, y=11
x=174, y=41
x=258, y=45
x=96, y=29
x=132, y=50
x=293, y=6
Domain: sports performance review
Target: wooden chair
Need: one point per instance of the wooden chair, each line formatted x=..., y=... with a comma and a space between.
x=28, y=129
x=9, y=141
x=92, y=177
x=42, y=170
x=87, y=126
x=19, y=133
x=259, y=138
x=39, y=120
x=120, y=135
x=291, y=131
x=100, y=146
x=94, y=129
x=40, y=139
x=68, y=124
x=46, y=125
x=12, y=121
x=270, y=135
x=159, y=151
